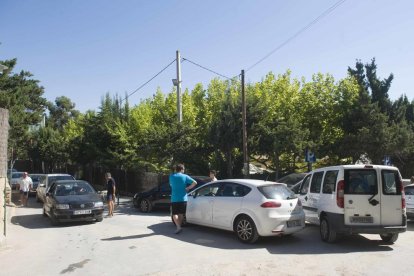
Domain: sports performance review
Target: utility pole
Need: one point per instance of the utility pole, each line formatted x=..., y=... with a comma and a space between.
x=178, y=83
x=246, y=169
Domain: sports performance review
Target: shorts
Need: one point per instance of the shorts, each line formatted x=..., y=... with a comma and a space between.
x=24, y=193
x=109, y=197
x=178, y=208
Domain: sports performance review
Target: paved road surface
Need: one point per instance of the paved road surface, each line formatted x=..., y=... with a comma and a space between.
x=132, y=243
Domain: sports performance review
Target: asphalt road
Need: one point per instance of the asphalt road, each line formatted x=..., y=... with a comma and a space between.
x=132, y=243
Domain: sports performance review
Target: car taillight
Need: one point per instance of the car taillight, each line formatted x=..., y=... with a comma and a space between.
x=340, y=194
x=271, y=204
x=400, y=186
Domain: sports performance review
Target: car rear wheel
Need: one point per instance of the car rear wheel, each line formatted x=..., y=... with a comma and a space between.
x=326, y=231
x=390, y=237
x=145, y=206
x=246, y=230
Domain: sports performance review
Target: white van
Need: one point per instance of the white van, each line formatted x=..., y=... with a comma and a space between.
x=352, y=199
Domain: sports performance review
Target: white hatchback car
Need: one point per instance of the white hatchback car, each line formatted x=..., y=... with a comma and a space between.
x=250, y=208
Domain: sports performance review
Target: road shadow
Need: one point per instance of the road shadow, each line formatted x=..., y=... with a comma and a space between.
x=130, y=210
x=306, y=241
x=38, y=221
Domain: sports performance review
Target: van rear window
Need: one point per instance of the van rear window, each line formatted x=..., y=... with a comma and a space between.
x=361, y=182
x=390, y=179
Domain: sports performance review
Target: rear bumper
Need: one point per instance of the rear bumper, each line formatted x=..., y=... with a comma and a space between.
x=336, y=221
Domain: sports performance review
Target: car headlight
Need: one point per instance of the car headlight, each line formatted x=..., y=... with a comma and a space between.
x=62, y=206
x=98, y=204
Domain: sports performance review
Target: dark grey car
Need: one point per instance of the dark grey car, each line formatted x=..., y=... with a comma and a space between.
x=72, y=200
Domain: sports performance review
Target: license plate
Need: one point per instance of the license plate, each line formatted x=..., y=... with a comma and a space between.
x=361, y=219
x=294, y=223
x=82, y=212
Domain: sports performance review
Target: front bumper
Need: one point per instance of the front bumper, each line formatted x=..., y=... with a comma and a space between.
x=69, y=215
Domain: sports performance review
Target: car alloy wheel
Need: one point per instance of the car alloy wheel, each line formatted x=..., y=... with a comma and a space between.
x=246, y=230
x=145, y=206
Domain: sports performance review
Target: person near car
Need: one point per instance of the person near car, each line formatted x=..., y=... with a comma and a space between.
x=25, y=184
x=213, y=175
x=180, y=184
x=110, y=195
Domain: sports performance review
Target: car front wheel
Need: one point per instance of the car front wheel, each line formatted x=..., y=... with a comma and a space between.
x=145, y=206
x=246, y=230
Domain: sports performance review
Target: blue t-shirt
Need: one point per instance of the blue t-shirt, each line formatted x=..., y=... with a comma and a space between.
x=178, y=183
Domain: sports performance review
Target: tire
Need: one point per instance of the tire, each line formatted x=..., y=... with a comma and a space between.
x=389, y=238
x=145, y=206
x=246, y=230
x=326, y=231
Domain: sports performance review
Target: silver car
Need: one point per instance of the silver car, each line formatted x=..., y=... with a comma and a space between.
x=46, y=180
x=409, y=200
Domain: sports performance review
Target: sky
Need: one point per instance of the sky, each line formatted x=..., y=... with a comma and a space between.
x=84, y=49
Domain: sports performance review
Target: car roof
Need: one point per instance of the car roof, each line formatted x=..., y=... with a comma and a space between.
x=69, y=181
x=358, y=166
x=250, y=182
x=56, y=174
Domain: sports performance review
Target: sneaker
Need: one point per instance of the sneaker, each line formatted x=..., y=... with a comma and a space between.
x=178, y=231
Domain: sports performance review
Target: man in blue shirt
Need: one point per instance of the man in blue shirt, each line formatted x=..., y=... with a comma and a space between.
x=180, y=184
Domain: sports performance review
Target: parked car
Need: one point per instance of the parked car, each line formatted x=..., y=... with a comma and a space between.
x=353, y=199
x=248, y=207
x=36, y=180
x=72, y=200
x=160, y=196
x=46, y=181
x=15, y=180
x=291, y=179
x=409, y=200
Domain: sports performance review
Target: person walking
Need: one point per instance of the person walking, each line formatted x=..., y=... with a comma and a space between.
x=213, y=175
x=26, y=184
x=110, y=195
x=180, y=184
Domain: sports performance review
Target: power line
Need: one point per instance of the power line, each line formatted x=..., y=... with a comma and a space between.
x=205, y=68
x=156, y=75
x=322, y=15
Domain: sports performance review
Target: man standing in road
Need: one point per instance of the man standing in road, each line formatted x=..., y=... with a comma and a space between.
x=110, y=195
x=180, y=184
x=26, y=184
x=213, y=175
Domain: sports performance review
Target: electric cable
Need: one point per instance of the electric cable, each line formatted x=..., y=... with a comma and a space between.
x=322, y=15
x=156, y=75
x=205, y=68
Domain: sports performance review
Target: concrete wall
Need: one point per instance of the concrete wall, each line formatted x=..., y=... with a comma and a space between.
x=4, y=134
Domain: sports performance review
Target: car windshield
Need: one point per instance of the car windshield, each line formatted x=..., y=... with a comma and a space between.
x=276, y=191
x=409, y=190
x=17, y=175
x=76, y=188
